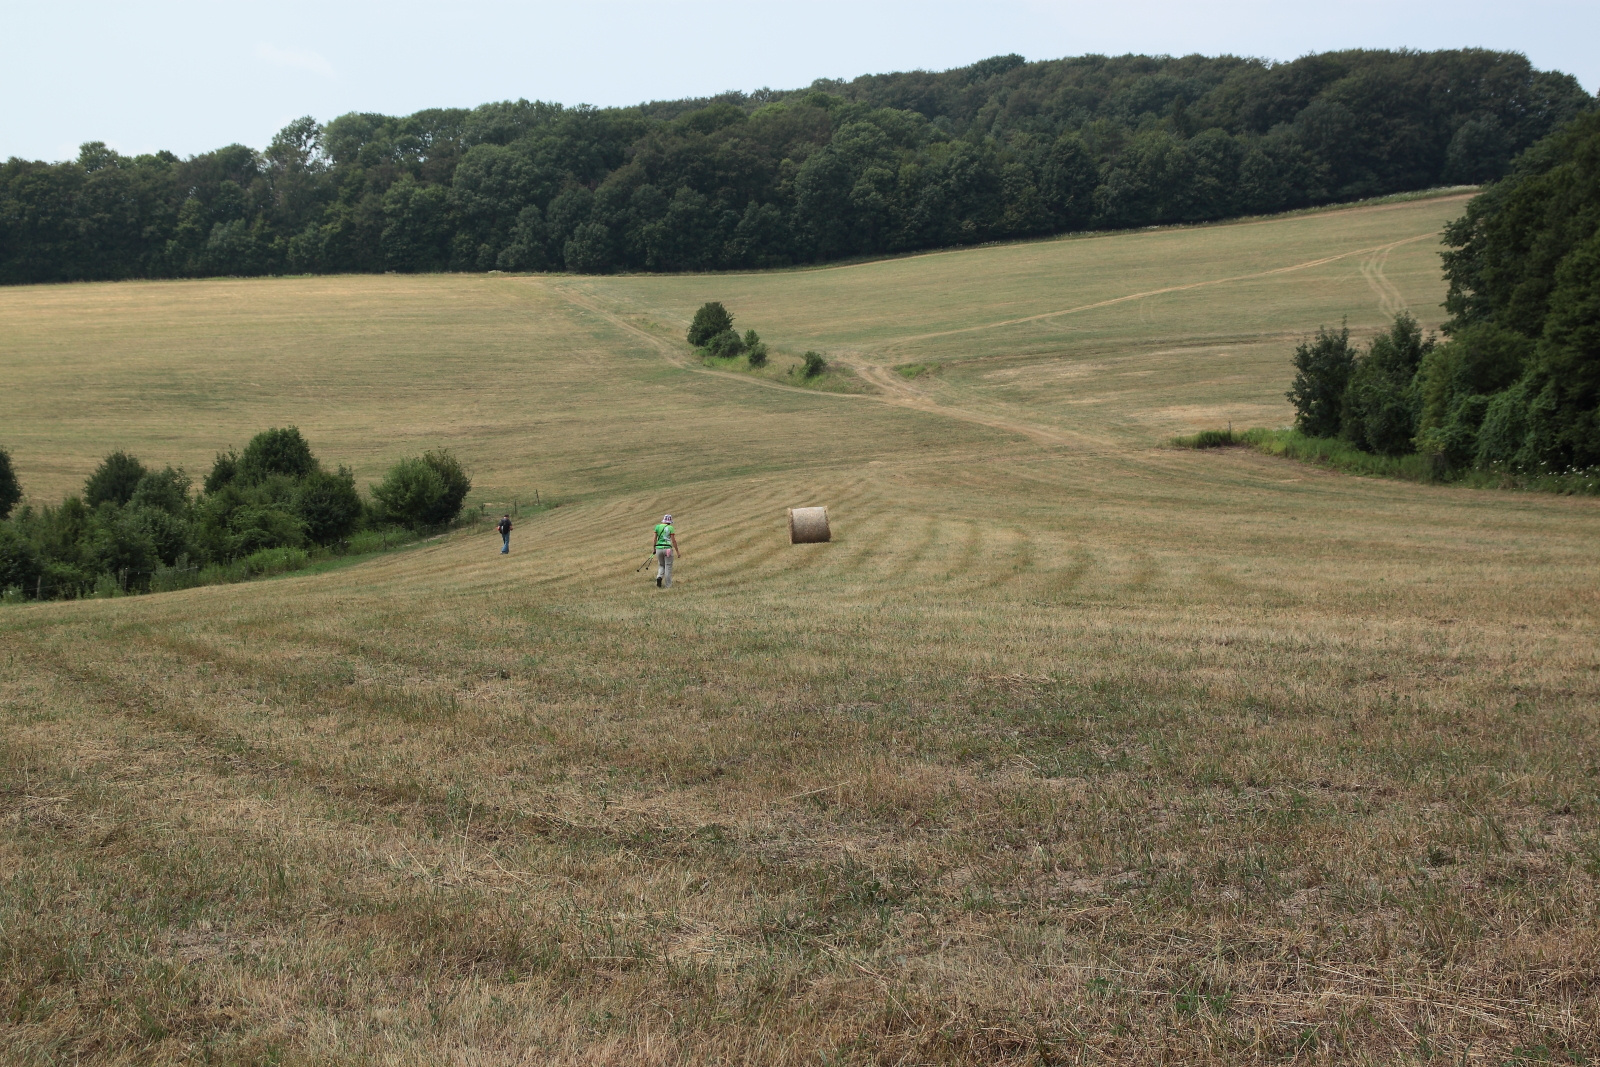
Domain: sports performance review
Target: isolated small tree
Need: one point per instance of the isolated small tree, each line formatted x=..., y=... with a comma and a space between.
x=1322, y=373
x=113, y=481
x=710, y=320
x=10, y=488
x=814, y=364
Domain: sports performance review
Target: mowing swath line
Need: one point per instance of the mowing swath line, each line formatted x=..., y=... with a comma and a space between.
x=1157, y=292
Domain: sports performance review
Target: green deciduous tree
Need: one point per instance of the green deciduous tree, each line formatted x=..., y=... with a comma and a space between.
x=1322, y=374
x=329, y=505
x=1381, y=402
x=113, y=481
x=165, y=490
x=276, y=451
x=711, y=320
x=425, y=491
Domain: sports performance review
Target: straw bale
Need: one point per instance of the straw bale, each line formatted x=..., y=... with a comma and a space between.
x=809, y=526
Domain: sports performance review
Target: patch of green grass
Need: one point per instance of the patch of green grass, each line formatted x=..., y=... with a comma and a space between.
x=913, y=371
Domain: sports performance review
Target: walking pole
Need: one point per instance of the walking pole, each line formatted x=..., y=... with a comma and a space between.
x=651, y=558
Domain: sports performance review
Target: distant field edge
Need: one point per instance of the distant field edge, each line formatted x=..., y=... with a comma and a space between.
x=1336, y=454
x=1438, y=193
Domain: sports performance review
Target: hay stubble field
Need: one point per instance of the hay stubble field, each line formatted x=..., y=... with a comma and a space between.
x=1068, y=748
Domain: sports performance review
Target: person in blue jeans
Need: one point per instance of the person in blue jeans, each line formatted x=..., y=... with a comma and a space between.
x=504, y=529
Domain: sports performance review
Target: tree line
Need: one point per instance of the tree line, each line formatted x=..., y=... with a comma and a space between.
x=881, y=164
x=1515, y=384
x=263, y=509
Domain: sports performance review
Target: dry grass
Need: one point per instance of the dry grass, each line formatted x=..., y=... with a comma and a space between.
x=1068, y=748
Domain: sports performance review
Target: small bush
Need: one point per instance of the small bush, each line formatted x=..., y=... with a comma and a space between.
x=253, y=528
x=755, y=349
x=814, y=364
x=725, y=345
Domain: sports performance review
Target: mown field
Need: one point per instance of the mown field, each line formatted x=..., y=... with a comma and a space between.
x=1069, y=748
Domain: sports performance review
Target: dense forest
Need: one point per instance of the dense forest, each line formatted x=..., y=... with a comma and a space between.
x=883, y=163
x=1515, y=384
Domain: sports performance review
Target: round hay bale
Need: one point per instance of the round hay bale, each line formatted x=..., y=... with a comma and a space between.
x=809, y=526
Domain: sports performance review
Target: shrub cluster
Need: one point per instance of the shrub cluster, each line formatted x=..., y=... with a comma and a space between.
x=1516, y=384
x=712, y=332
x=262, y=510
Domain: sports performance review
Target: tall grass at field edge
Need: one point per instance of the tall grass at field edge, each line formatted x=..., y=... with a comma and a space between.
x=1338, y=454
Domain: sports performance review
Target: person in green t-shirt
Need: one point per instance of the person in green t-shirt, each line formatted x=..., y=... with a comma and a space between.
x=665, y=541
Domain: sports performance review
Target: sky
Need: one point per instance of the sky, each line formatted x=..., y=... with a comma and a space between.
x=190, y=77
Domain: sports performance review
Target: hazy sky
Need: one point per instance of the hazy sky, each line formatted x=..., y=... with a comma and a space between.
x=192, y=76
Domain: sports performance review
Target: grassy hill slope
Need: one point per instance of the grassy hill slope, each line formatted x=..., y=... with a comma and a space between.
x=1067, y=747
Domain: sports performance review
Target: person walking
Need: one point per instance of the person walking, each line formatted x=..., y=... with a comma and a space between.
x=665, y=541
x=503, y=527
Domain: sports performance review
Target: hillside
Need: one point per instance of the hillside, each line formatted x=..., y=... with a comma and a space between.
x=1069, y=746
x=884, y=163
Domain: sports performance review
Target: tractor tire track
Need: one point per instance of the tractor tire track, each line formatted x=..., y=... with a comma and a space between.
x=1390, y=300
